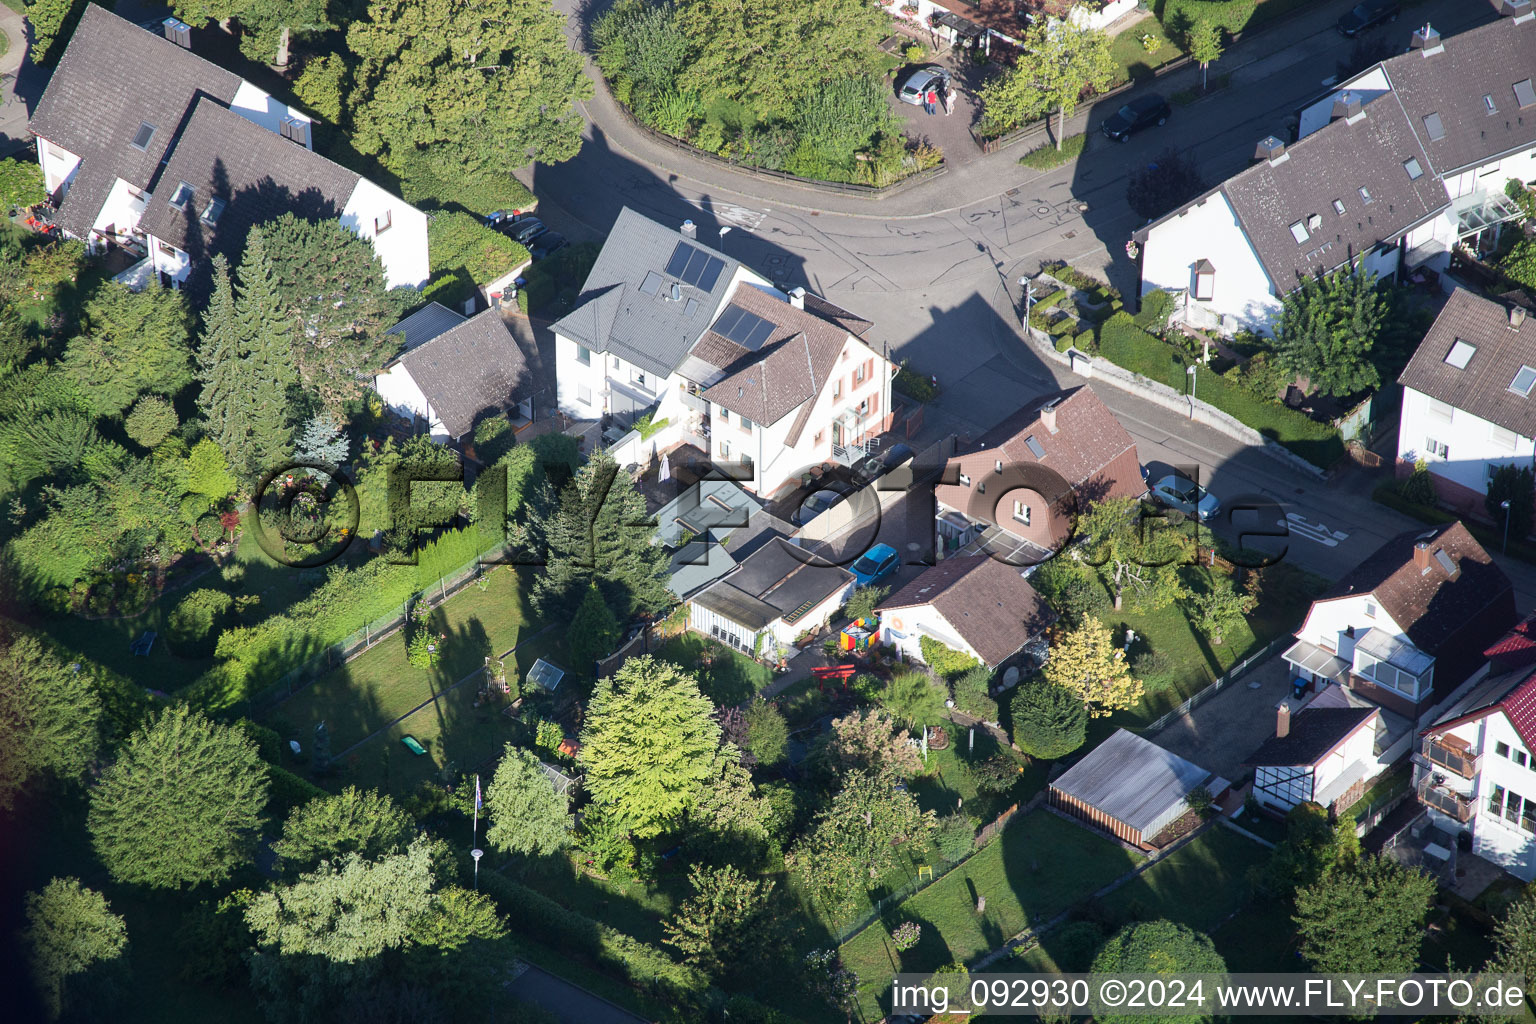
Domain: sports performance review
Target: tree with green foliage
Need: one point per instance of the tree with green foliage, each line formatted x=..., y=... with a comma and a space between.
x=181, y=805
x=649, y=740
x=1157, y=947
x=601, y=533
x=1329, y=328
x=69, y=930
x=332, y=291
x=324, y=86
x=191, y=626
x=638, y=43
x=1365, y=917
x=323, y=439
x=527, y=815
x=1203, y=41
x=870, y=741
x=361, y=821
x=857, y=838
x=1172, y=179
x=767, y=732
x=727, y=928
x=776, y=52
x=1516, y=485
x=912, y=699
x=973, y=694
x=1520, y=264
x=1049, y=721
x=954, y=835
x=150, y=421
x=1060, y=62
x=21, y=183
x=862, y=604
x=479, y=83
x=130, y=342
x=729, y=820
x=51, y=715
x=1514, y=938
x=1087, y=662
x=207, y=472
x=1137, y=556
x=1219, y=606
x=53, y=23
x=593, y=633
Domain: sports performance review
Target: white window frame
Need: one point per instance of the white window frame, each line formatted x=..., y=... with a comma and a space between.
x=1021, y=512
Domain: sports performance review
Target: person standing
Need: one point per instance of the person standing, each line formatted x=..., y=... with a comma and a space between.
x=931, y=101
x=947, y=96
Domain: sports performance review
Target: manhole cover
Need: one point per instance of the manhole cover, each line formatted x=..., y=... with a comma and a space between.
x=774, y=261
x=1069, y=234
x=1042, y=210
x=914, y=546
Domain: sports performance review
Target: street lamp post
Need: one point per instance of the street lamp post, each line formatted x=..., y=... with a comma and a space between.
x=1029, y=296
x=723, y=232
x=1191, y=371
x=477, y=853
x=1505, y=506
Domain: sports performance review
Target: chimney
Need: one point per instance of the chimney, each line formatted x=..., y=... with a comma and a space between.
x=1048, y=414
x=1520, y=10
x=1421, y=556
x=1349, y=106
x=178, y=32
x=1426, y=40
x=797, y=297
x=689, y=229
x=1283, y=721
x=1516, y=317
x=1272, y=149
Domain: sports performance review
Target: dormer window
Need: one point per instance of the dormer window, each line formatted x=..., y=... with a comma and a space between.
x=384, y=223
x=142, y=136
x=182, y=196
x=1205, y=280
x=212, y=211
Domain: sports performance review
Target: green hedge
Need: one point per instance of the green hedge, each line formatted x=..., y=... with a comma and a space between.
x=638, y=963
x=465, y=253
x=1043, y=158
x=1065, y=342
x=914, y=385
x=1126, y=345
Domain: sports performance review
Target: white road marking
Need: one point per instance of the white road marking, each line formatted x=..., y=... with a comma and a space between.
x=740, y=216
x=1300, y=527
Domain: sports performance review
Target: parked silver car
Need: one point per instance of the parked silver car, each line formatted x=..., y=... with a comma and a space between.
x=919, y=82
x=1174, y=491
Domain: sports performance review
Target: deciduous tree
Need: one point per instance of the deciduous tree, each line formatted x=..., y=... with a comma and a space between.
x=912, y=699
x=527, y=815
x=649, y=742
x=1059, y=63
x=69, y=929
x=1366, y=917
x=1328, y=329
x=1514, y=939
x=726, y=927
x=854, y=841
x=1136, y=555
x=1157, y=947
x=1219, y=607
x=361, y=821
x=869, y=740
x=1204, y=44
x=1087, y=662
x=182, y=804
x=1049, y=721
x=767, y=732
x=21, y=183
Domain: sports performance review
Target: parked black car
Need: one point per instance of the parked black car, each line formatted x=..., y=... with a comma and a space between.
x=1368, y=15
x=1134, y=116
x=545, y=243
x=523, y=230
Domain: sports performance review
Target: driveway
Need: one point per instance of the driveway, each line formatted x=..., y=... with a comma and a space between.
x=1220, y=734
x=950, y=132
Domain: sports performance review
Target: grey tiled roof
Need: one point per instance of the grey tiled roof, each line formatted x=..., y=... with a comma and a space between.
x=470, y=369
x=1334, y=163
x=425, y=324
x=651, y=331
x=113, y=77
x=1485, y=61
x=259, y=174
x=1482, y=388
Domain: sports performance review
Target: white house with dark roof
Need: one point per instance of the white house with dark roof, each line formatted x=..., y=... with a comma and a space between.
x=779, y=591
x=1468, y=407
x=1393, y=168
x=455, y=372
x=975, y=604
x=766, y=383
x=175, y=173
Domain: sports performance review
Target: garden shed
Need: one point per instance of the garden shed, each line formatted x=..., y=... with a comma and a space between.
x=545, y=675
x=1131, y=787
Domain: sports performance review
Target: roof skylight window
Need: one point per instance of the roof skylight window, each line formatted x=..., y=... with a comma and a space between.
x=1523, y=382
x=1299, y=232
x=1460, y=354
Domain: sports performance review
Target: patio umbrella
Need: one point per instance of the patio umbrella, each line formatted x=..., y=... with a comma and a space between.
x=665, y=473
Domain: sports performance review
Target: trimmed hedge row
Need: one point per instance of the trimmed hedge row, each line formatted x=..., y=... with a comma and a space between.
x=640, y=964
x=1128, y=346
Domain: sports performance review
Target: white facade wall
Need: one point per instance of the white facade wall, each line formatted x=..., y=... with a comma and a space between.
x=904, y=628
x=578, y=384
x=1368, y=86
x=119, y=216
x=258, y=106
x=1475, y=446
x=1327, y=622
x=59, y=164
x=397, y=230
x=1494, y=837
x=1083, y=16
x=401, y=394
x=1210, y=231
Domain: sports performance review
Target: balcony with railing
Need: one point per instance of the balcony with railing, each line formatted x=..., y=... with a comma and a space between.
x=1445, y=801
x=1459, y=760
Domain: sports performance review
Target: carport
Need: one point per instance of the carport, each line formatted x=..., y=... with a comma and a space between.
x=1131, y=787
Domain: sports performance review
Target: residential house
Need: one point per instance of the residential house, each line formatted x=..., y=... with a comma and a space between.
x=710, y=527
x=1013, y=494
x=979, y=21
x=1325, y=753
x=1475, y=769
x=778, y=591
x=974, y=604
x=1467, y=405
x=455, y=371
x=767, y=383
x=1132, y=788
x=1393, y=168
x=171, y=173
x=1405, y=627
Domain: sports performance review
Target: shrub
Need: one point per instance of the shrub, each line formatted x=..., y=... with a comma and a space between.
x=913, y=385
x=150, y=421
x=972, y=696
x=191, y=625
x=1200, y=801
x=843, y=116
x=996, y=774
x=906, y=935
x=233, y=573
x=1523, y=197
x=1520, y=264
x=1065, y=342
x=1156, y=306
x=1417, y=487
x=1043, y=158
x=494, y=437
x=862, y=604
x=1048, y=721
x=943, y=659
x=955, y=836
x=426, y=183
x=767, y=732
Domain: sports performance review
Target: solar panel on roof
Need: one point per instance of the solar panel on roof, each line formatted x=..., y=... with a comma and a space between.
x=746, y=329
x=695, y=266
x=679, y=259
x=729, y=319
x=710, y=273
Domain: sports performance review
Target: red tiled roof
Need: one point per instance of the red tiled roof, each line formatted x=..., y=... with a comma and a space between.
x=1517, y=647
x=1520, y=707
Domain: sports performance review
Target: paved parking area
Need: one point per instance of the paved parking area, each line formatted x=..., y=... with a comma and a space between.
x=950, y=132
x=1220, y=734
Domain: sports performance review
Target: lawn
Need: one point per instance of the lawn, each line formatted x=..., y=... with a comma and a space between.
x=948, y=779
x=1046, y=156
x=1039, y=866
x=1200, y=884
x=729, y=678
x=1132, y=60
x=380, y=685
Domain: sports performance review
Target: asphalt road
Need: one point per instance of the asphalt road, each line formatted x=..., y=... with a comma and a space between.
x=941, y=285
